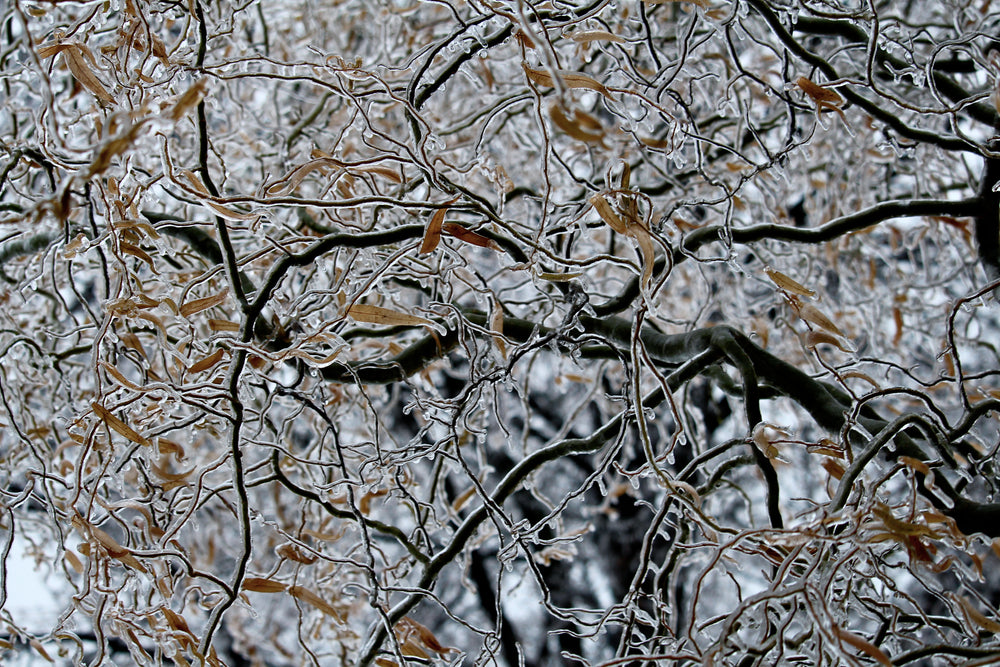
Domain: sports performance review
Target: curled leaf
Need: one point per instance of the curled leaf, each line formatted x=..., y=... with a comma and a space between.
x=569, y=79
x=76, y=59
x=574, y=127
x=862, y=645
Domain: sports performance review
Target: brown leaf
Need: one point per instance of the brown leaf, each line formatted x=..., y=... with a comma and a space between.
x=190, y=99
x=259, y=585
x=787, y=284
x=223, y=325
x=315, y=600
x=117, y=425
x=862, y=645
x=570, y=79
x=469, y=236
x=811, y=313
x=814, y=338
x=587, y=36
x=198, y=305
x=432, y=236
x=608, y=214
x=573, y=128
x=207, y=362
x=74, y=58
x=378, y=315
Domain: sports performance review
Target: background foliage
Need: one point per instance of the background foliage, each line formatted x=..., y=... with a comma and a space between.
x=502, y=332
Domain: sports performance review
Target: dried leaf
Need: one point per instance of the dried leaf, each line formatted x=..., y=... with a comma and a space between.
x=787, y=284
x=811, y=313
x=573, y=127
x=861, y=376
x=294, y=553
x=463, y=499
x=117, y=376
x=469, y=236
x=198, y=305
x=74, y=58
x=834, y=468
x=819, y=94
x=825, y=98
x=136, y=251
x=207, y=362
x=113, y=148
x=231, y=213
x=37, y=645
x=608, y=214
x=315, y=600
x=648, y=249
x=496, y=325
x=587, y=36
x=223, y=325
x=762, y=438
x=189, y=100
x=570, y=79
x=117, y=425
x=862, y=645
x=814, y=338
x=378, y=315
x=432, y=236
x=259, y=585
x=292, y=179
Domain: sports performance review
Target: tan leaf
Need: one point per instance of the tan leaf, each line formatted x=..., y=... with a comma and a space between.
x=587, y=36
x=117, y=425
x=384, y=172
x=315, y=600
x=608, y=214
x=814, y=338
x=113, y=148
x=136, y=251
x=176, y=478
x=223, y=325
x=74, y=57
x=207, y=362
x=811, y=313
x=572, y=127
x=570, y=79
x=648, y=249
x=861, y=376
x=377, y=315
x=834, y=468
x=292, y=179
x=198, y=305
x=190, y=99
x=469, y=236
x=496, y=324
x=37, y=645
x=231, y=213
x=292, y=552
x=259, y=585
x=786, y=283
